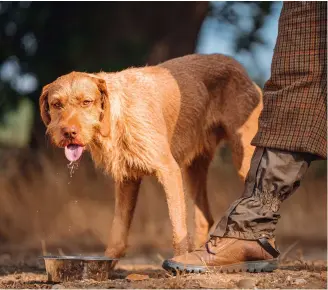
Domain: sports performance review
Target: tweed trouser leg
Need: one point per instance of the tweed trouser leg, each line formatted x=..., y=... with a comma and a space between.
x=293, y=121
x=294, y=116
x=273, y=176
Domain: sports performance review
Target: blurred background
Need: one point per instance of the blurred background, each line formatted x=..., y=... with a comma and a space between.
x=39, y=41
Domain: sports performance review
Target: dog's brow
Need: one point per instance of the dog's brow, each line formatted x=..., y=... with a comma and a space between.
x=55, y=98
x=82, y=83
x=84, y=96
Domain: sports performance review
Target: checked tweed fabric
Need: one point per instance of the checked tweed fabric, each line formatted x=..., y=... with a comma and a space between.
x=294, y=117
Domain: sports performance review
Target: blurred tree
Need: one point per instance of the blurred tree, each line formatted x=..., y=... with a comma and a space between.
x=247, y=33
x=42, y=40
x=243, y=27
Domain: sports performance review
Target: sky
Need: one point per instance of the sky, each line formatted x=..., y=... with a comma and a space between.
x=218, y=37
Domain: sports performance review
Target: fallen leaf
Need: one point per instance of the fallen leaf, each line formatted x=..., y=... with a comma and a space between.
x=137, y=277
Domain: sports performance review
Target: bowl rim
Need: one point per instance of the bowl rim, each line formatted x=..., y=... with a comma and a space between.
x=79, y=258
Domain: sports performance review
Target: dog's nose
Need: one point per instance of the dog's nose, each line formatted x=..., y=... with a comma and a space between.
x=69, y=132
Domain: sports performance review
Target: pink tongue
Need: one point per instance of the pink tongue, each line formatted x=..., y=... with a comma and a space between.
x=73, y=152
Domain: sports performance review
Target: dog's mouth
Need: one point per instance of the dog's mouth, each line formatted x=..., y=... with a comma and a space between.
x=73, y=152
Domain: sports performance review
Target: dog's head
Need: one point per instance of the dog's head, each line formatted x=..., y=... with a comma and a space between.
x=75, y=108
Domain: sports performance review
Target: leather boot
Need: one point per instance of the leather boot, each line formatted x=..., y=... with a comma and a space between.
x=244, y=238
x=227, y=255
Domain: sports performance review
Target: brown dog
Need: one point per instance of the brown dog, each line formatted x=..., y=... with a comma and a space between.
x=164, y=120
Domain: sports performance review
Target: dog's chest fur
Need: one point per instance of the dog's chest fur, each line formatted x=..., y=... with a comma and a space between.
x=129, y=151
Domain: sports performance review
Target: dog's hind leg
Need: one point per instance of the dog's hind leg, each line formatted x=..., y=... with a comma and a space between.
x=195, y=177
x=240, y=140
x=126, y=194
x=242, y=152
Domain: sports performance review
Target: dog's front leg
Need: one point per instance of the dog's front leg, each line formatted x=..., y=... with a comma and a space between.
x=171, y=178
x=126, y=194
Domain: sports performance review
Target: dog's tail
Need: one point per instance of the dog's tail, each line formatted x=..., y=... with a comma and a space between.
x=259, y=90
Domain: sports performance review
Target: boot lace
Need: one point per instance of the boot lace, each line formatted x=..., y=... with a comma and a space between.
x=211, y=242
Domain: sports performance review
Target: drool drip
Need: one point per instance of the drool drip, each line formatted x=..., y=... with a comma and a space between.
x=72, y=167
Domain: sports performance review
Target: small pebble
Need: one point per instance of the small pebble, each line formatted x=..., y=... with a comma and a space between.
x=299, y=281
x=246, y=283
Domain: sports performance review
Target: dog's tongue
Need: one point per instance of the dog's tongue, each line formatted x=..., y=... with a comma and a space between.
x=73, y=152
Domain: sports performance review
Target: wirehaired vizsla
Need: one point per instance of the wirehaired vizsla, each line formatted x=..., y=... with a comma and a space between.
x=163, y=120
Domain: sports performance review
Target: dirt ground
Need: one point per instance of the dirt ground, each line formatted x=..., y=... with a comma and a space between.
x=296, y=271
x=73, y=216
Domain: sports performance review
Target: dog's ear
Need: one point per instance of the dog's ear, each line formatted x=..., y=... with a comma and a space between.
x=44, y=106
x=105, y=114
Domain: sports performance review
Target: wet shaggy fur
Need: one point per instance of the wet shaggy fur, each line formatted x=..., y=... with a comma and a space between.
x=163, y=120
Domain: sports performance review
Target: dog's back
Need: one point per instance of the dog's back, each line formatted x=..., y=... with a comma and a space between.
x=218, y=100
x=225, y=79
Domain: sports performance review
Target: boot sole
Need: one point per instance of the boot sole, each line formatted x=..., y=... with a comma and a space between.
x=251, y=266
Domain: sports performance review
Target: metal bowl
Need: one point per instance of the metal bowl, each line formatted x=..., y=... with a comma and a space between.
x=72, y=268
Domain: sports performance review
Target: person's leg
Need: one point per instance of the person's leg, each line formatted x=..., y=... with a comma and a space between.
x=244, y=237
x=274, y=175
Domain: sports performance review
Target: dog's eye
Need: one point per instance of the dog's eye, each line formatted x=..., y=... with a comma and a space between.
x=57, y=105
x=87, y=102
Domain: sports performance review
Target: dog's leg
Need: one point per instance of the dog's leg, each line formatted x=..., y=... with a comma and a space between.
x=195, y=177
x=240, y=140
x=171, y=178
x=126, y=194
x=241, y=155
x=241, y=148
